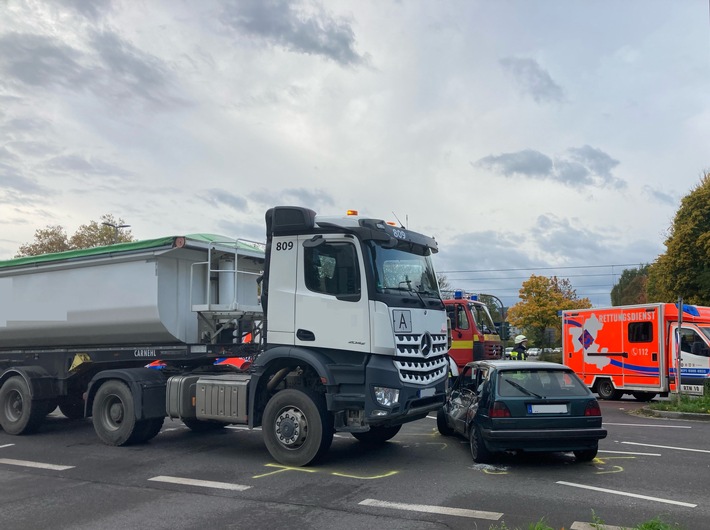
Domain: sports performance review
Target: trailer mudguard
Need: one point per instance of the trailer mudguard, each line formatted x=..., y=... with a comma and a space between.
x=42, y=385
x=147, y=387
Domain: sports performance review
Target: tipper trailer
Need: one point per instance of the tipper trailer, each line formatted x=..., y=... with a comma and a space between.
x=335, y=324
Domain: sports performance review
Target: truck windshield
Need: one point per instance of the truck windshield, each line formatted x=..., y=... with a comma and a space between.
x=483, y=319
x=405, y=268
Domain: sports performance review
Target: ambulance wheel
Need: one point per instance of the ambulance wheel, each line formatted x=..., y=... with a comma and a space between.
x=606, y=390
x=377, y=435
x=643, y=396
x=298, y=430
x=114, y=415
x=18, y=413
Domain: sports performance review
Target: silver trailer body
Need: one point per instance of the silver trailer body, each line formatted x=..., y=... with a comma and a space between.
x=163, y=291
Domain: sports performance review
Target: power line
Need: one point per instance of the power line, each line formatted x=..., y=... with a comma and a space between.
x=546, y=268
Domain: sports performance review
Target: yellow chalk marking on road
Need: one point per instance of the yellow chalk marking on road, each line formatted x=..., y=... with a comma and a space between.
x=614, y=468
x=358, y=477
x=284, y=468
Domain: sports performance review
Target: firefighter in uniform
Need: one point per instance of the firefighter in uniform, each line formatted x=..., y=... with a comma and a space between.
x=520, y=349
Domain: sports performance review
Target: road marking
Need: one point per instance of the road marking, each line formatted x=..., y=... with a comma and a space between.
x=627, y=494
x=669, y=447
x=650, y=425
x=630, y=453
x=359, y=477
x=200, y=483
x=38, y=465
x=440, y=510
x=281, y=469
x=6, y=445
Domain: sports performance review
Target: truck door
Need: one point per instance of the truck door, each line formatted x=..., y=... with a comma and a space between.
x=463, y=334
x=332, y=308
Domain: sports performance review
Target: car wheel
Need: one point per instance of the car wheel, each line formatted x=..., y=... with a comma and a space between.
x=606, y=390
x=479, y=452
x=444, y=429
x=586, y=456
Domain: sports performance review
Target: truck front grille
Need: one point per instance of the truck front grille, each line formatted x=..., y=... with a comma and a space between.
x=421, y=357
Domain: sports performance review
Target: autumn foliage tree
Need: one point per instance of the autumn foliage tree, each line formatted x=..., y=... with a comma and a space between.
x=542, y=297
x=53, y=238
x=684, y=269
x=631, y=287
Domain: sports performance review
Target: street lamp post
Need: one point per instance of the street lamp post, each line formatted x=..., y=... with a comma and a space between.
x=116, y=228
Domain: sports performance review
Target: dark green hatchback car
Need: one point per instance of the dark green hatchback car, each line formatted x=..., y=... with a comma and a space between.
x=522, y=406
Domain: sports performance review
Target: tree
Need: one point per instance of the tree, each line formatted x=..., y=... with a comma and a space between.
x=542, y=298
x=631, y=287
x=95, y=234
x=684, y=269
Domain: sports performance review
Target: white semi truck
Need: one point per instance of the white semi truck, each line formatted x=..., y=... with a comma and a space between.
x=339, y=320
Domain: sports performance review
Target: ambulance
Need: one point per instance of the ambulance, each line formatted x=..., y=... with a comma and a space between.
x=632, y=349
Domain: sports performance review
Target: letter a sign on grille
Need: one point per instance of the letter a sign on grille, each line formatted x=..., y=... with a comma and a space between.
x=402, y=321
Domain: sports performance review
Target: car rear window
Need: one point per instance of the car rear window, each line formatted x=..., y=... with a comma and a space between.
x=540, y=382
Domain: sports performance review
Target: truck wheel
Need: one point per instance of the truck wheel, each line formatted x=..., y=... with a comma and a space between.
x=479, y=452
x=441, y=424
x=18, y=413
x=72, y=407
x=587, y=455
x=147, y=430
x=196, y=425
x=606, y=390
x=113, y=414
x=297, y=427
x=377, y=435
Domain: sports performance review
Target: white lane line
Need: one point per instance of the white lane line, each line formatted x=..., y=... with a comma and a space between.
x=627, y=494
x=440, y=510
x=669, y=447
x=650, y=425
x=200, y=483
x=28, y=463
x=630, y=453
x=6, y=445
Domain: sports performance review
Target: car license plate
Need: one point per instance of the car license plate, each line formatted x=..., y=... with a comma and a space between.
x=426, y=392
x=551, y=408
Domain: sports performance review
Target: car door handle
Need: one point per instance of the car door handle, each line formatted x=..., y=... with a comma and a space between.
x=304, y=334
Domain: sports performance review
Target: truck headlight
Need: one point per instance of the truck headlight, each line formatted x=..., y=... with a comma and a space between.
x=386, y=397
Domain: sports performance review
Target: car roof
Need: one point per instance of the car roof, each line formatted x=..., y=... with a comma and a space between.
x=520, y=365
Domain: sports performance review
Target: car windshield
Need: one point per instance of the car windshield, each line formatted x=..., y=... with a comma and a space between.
x=539, y=383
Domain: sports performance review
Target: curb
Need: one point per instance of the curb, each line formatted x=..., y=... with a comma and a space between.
x=675, y=415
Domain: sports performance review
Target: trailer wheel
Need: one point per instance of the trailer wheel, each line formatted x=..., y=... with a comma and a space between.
x=377, y=435
x=606, y=390
x=72, y=407
x=297, y=427
x=18, y=413
x=113, y=414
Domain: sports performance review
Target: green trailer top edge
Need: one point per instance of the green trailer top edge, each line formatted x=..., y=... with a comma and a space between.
x=131, y=246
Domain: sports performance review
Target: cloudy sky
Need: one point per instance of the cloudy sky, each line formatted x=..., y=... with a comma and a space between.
x=529, y=137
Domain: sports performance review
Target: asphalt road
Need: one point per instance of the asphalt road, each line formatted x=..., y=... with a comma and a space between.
x=64, y=477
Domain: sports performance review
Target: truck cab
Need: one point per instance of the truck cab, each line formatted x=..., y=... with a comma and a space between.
x=473, y=334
